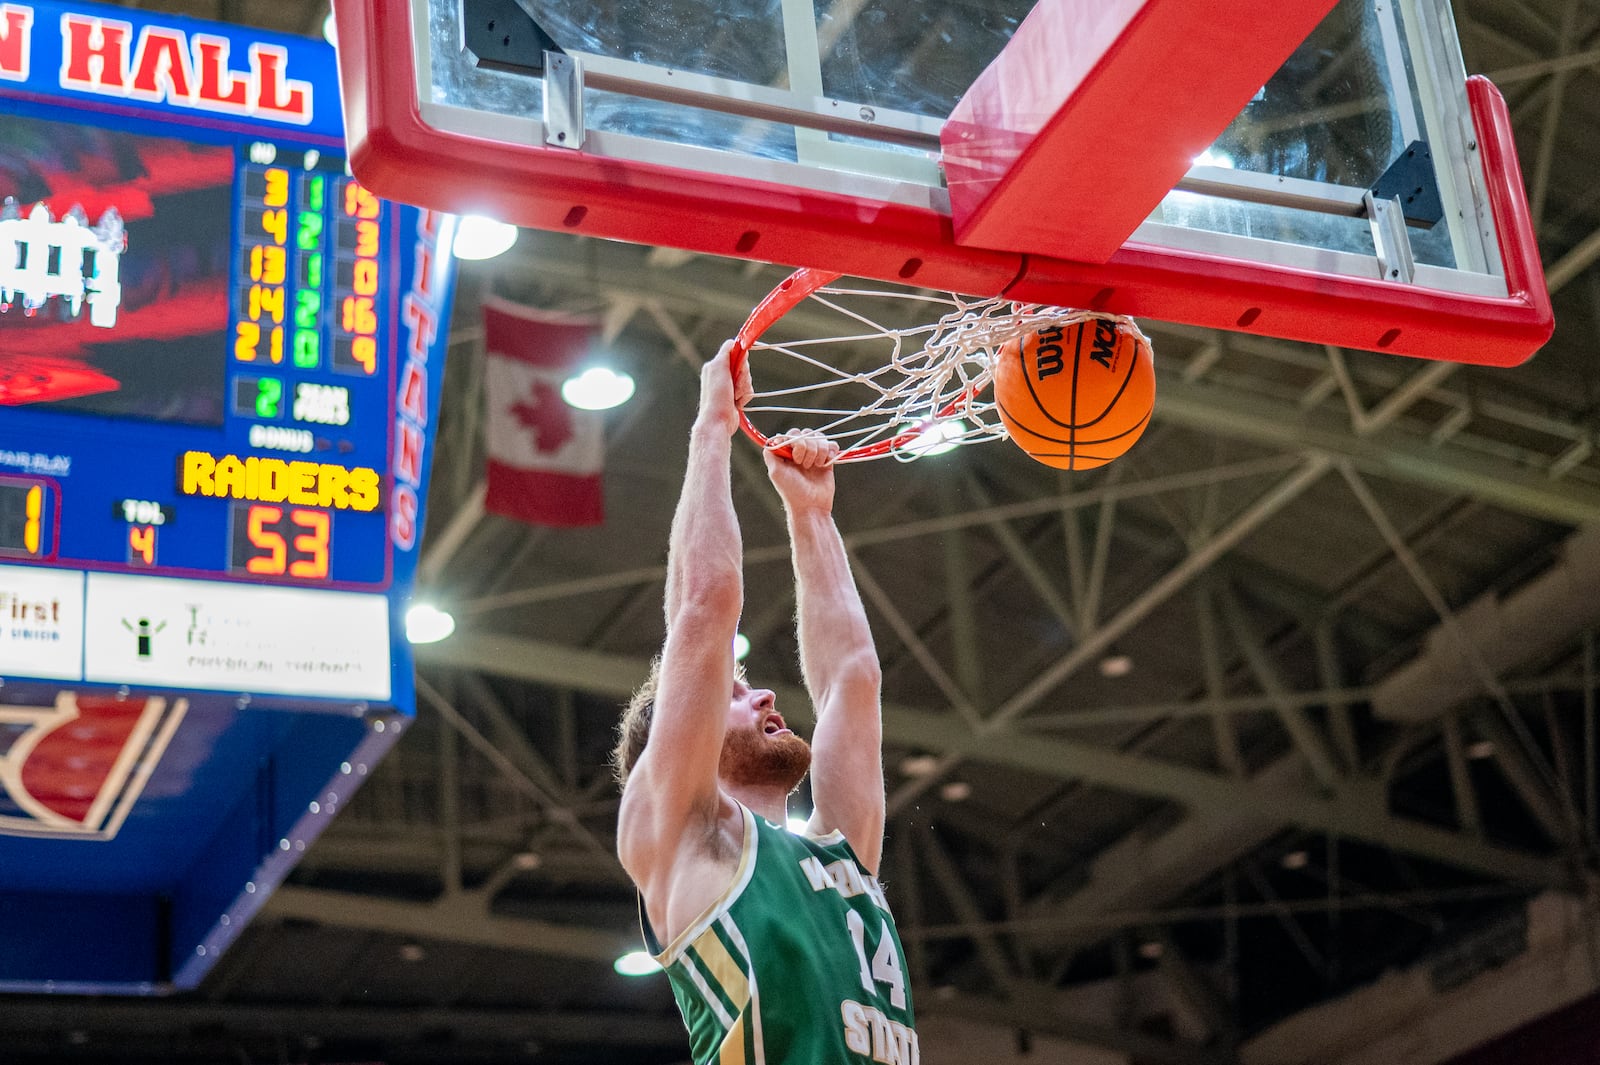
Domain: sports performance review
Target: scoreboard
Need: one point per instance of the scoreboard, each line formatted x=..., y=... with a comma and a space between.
x=219, y=362
x=220, y=366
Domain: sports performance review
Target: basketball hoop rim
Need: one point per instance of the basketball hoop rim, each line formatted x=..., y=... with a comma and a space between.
x=783, y=298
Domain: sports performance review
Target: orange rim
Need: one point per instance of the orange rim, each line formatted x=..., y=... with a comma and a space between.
x=784, y=297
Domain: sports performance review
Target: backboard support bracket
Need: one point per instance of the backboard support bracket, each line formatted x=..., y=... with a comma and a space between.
x=1411, y=179
x=501, y=35
x=563, y=101
x=1389, y=237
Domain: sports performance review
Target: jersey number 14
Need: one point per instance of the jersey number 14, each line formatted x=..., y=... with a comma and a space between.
x=885, y=966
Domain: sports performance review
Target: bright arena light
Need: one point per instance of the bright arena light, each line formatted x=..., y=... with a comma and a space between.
x=597, y=388
x=797, y=825
x=330, y=29
x=938, y=438
x=1116, y=665
x=956, y=791
x=741, y=647
x=636, y=963
x=426, y=623
x=478, y=237
x=1212, y=158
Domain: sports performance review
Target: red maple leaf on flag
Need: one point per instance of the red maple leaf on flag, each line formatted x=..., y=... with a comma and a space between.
x=546, y=415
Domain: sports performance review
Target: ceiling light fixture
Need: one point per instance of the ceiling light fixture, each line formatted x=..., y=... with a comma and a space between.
x=956, y=791
x=478, y=237
x=636, y=963
x=426, y=623
x=1113, y=666
x=597, y=388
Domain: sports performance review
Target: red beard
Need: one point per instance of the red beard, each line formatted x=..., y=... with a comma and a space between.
x=751, y=758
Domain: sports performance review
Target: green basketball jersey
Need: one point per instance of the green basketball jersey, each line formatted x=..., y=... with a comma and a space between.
x=797, y=964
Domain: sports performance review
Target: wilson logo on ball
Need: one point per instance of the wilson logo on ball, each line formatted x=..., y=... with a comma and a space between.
x=1047, y=355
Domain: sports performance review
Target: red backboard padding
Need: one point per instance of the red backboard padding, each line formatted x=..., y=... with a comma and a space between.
x=1095, y=109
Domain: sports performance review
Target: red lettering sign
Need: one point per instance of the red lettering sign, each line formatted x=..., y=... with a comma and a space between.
x=16, y=34
x=94, y=54
x=403, y=517
x=408, y=453
x=414, y=392
x=162, y=65
x=220, y=88
x=421, y=322
x=424, y=273
x=276, y=96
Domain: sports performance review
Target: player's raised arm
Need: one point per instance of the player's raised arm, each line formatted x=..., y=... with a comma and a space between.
x=673, y=786
x=837, y=657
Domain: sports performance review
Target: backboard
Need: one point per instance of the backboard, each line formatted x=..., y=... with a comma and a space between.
x=1317, y=171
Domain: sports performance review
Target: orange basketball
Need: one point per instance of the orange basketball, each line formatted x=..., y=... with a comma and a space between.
x=1075, y=396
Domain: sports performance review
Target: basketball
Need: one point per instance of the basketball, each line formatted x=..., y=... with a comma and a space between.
x=1076, y=395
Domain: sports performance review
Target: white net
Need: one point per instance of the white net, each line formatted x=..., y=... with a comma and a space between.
x=885, y=371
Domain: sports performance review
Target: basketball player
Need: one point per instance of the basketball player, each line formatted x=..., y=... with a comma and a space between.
x=779, y=946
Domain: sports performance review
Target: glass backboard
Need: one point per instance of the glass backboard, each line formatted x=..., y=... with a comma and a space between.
x=1364, y=193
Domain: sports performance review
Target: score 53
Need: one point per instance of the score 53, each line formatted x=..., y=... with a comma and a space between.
x=275, y=541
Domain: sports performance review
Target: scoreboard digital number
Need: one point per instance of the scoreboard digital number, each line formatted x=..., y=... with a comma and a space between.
x=25, y=518
x=285, y=278
x=276, y=541
x=266, y=235
x=356, y=349
x=143, y=517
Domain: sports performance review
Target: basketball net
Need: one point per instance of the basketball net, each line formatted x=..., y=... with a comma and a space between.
x=880, y=371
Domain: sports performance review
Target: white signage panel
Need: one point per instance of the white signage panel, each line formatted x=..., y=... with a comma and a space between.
x=41, y=622
x=236, y=637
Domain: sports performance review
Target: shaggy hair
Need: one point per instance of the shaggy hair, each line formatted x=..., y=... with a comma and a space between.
x=633, y=731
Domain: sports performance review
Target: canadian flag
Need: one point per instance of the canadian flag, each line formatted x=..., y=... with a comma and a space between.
x=545, y=457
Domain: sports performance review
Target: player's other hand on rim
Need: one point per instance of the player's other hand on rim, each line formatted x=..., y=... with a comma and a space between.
x=804, y=480
x=721, y=398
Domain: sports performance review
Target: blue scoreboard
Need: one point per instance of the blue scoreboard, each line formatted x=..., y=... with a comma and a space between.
x=220, y=361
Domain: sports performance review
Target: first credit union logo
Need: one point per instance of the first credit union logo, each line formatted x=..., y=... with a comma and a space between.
x=75, y=769
x=41, y=622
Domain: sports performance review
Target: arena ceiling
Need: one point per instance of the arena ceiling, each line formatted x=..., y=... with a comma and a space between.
x=1356, y=596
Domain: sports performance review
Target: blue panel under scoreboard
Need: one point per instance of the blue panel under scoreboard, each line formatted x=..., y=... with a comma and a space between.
x=220, y=360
